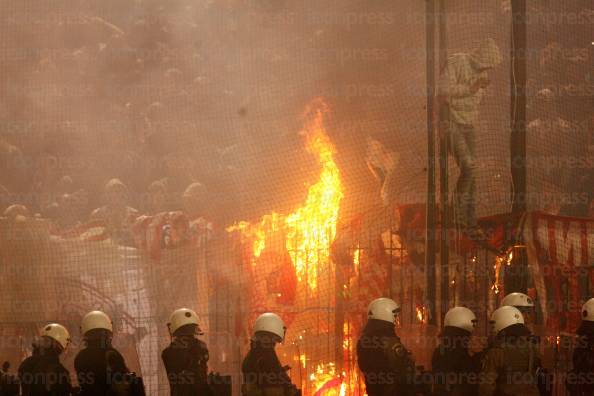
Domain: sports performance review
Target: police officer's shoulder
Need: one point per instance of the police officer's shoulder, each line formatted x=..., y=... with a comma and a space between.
x=62, y=368
x=26, y=362
x=394, y=345
x=493, y=348
x=493, y=353
x=78, y=360
x=196, y=344
x=170, y=349
x=201, y=343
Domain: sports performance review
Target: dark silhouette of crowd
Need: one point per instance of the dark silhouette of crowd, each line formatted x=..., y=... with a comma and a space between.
x=101, y=118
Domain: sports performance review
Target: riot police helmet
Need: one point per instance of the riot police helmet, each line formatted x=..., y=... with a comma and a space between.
x=460, y=317
x=518, y=300
x=96, y=320
x=57, y=333
x=588, y=311
x=505, y=317
x=271, y=323
x=384, y=309
x=184, y=320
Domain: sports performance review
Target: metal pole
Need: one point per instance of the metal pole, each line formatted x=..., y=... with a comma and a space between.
x=339, y=318
x=430, y=229
x=443, y=171
x=518, y=104
x=518, y=118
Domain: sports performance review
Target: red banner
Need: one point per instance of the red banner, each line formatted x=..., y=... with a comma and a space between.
x=561, y=255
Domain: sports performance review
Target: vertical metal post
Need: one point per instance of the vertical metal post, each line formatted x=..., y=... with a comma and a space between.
x=430, y=229
x=339, y=318
x=519, y=76
x=518, y=104
x=443, y=171
x=391, y=265
x=339, y=315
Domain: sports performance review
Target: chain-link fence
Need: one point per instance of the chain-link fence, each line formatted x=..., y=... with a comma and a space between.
x=209, y=110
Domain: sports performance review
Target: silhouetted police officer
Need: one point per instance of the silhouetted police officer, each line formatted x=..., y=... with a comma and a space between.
x=580, y=381
x=455, y=372
x=386, y=365
x=511, y=363
x=186, y=358
x=9, y=384
x=525, y=305
x=263, y=374
x=42, y=374
x=100, y=369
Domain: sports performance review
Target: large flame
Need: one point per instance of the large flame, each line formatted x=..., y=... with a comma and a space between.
x=311, y=228
x=326, y=381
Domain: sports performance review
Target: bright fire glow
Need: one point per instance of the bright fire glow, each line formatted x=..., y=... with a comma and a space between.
x=350, y=383
x=258, y=233
x=311, y=228
x=308, y=233
x=422, y=314
x=499, y=261
x=303, y=360
x=326, y=381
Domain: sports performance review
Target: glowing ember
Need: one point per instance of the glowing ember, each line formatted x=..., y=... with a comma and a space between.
x=422, y=314
x=509, y=258
x=347, y=342
x=303, y=360
x=310, y=229
x=499, y=261
x=357, y=261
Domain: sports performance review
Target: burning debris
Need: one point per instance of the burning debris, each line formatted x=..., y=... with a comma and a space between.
x=310, y=230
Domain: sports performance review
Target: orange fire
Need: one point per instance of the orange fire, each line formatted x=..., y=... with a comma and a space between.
x=499, y=261
x=311, y=228
x=350, y=378
x=422, y=314
x=307, y=233
x=326, y=381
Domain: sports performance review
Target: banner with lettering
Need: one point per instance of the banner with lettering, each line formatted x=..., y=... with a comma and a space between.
x=561, y=257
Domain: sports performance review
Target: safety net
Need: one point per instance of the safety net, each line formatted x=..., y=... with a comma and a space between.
x=241, y=157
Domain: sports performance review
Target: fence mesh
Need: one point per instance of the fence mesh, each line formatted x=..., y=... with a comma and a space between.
x=275, y=155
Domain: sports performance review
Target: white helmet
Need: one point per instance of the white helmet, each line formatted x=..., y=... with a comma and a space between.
x=460, y=317
x=95, y=320
x=181, y=317
x=588, y=310
x=383, y=309
x=57, y=333
x=271, y=323
x=517, y=300
x=506, y=316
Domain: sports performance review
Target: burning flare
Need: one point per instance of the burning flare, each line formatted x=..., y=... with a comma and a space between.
x=326, y=381
x=310, y=229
